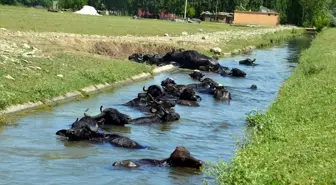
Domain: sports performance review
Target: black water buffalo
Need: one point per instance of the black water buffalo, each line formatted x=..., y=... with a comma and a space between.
x=209, y=82
x=196, y=75
x=160, y=115
x=233, y=72
x=191, y=59
x=110, y=116
x=248, y=62
x=253, y=87
x=220, y=93
x=143, y=99
x=181, y=157
x=86, y=129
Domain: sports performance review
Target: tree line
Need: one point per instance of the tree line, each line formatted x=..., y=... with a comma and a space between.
x=298, y=12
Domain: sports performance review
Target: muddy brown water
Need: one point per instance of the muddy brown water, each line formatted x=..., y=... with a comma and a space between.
x=31, y=153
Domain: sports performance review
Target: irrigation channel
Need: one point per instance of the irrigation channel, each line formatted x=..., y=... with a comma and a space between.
x=31, y=153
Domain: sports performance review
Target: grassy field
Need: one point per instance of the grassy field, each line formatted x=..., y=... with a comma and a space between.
x=37, y=78
x=24, y=19
x=294, y=141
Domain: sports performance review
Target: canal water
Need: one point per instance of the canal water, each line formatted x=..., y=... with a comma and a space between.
x=31, y=153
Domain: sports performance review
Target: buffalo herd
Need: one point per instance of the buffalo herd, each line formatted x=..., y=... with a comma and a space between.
x=158, y=102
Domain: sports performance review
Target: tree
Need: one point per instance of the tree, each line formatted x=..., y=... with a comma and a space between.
x=191, y=12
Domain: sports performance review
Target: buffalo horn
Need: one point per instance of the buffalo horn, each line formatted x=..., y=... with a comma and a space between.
x=200, y=98
x=164, y=110
x=144, y=89
x=101, y=108
x=95, y=128
x=85, y=113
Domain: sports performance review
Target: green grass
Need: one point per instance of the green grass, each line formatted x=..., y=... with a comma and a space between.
x=78, y=71
x=294, y=141
x=19, y=18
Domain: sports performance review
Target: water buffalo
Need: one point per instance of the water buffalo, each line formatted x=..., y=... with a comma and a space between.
x=209, y=82
x=110, y=116
x=191, y=59
x=220, y=93
x=181, y=157
x=196, y=75
x=86, y=129
x=253, y=87
x=234, y=72
x=248, y=62
x=143, y=99
x=160, y=115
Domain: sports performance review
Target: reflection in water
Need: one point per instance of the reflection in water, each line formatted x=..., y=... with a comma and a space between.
x=30, y=153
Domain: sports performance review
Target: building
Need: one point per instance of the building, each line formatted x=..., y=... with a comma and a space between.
x=257, y=18
x=219, y=17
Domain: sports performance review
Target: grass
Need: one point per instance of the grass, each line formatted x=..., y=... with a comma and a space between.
x=23, y=19
x=294, y=141
x=79, y=71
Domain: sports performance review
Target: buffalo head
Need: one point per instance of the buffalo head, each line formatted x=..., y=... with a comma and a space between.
x=189, y=94
x=196, y=74
x=154, y=90
x=181, y=158
x=221, y=93
x=237, y=72
x=210, y=82
x=167, y=81
x=84, y=129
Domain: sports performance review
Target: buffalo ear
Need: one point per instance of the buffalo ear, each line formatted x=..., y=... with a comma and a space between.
x=61, y=133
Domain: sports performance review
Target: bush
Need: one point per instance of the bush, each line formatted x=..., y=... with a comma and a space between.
x=321, y=21
x=191, y=12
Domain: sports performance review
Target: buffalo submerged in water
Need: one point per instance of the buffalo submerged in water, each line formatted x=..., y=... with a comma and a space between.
x=87, y=129
x=181, y=157
x=110, y=116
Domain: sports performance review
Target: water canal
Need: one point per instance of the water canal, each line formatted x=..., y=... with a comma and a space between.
x=30, y=152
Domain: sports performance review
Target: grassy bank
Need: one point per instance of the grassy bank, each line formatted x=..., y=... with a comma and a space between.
x=294, y=141
x=19, y=18
x=33, y=79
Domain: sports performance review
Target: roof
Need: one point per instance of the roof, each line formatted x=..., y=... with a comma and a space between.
x=218, y=13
